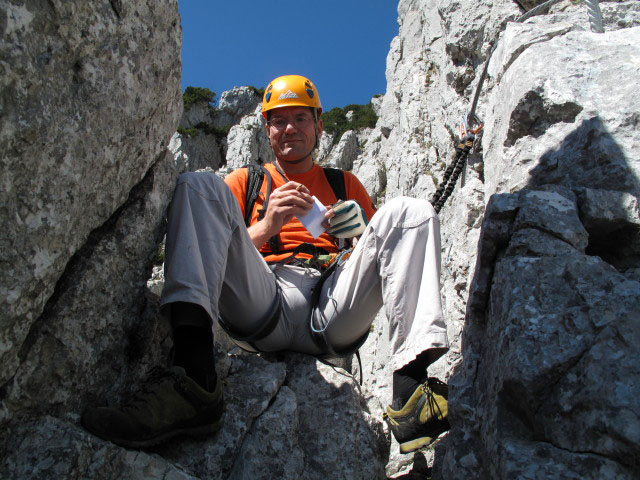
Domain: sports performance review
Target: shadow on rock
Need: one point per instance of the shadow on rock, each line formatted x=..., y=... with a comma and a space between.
x=550, y=378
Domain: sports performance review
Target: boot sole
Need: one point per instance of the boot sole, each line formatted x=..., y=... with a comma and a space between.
x=199, y=431
x=440, y=427
x=415, y=444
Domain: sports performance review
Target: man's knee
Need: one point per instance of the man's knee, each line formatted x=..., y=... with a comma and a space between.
x=200, y=180
x=207, y=184
x=405, y=212
x=399, y=205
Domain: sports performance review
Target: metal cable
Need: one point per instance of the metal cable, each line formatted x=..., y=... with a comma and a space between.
x=537, y=10
x=595, y=16
x=453, y=171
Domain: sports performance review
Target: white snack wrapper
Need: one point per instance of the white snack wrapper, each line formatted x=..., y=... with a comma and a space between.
x=312, y=220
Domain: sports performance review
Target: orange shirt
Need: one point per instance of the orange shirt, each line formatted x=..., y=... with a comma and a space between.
x=294, y=233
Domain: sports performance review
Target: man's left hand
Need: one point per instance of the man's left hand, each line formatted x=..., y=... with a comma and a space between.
x=345, y=219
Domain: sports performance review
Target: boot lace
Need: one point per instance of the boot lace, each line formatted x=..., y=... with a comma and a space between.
x=432, y=403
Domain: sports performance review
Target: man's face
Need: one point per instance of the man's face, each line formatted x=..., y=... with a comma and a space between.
x=292, y=133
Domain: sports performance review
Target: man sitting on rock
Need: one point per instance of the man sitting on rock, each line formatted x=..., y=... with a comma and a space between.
x=265, y=284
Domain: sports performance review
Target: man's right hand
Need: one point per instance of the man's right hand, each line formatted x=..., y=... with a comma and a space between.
x=288, y=201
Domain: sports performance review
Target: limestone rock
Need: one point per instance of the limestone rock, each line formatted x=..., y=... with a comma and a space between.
x=563, y=91
x=235, y=104
x=345, y=152
x=326, y=143
x=349, y=446
x=551, y=332
x=250, y=385
x=208, y=147
x=376, y=102
x=52, y=448
x=200, y=151
x=92, y=339
x=554, y=114
x=90, y=97
x=247, y=142
x=273, y=439
x=271, y=430
x=198, y=113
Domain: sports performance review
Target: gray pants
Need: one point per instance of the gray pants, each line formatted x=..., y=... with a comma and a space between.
x=210, y=260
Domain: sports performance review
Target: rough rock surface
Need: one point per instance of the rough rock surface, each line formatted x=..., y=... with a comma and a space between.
x=554, y=113
x=197, y=152
x=235, y=104
x=247, y=142
x=199, y=112
x=551, y=327
x=90, y=94
x=345, y=152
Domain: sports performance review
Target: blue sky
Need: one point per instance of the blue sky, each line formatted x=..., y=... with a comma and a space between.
x=341, y=46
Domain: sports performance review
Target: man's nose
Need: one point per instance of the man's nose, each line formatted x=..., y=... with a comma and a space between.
x=290, y=126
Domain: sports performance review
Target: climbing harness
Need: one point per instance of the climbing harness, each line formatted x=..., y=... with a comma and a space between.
x=255, y=178
x=318, y=334
x=247, y=342
x=321, y=260
x=471, y=126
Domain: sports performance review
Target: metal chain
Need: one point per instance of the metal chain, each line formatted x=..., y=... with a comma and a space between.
x=595, y=16
x=455, y=169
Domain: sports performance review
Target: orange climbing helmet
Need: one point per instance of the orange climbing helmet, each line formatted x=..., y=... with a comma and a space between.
x=290, y=91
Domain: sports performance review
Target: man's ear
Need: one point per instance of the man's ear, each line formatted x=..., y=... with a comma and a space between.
x=319, y=126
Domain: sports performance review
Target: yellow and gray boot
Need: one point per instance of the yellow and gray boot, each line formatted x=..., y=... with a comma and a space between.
x=419, y=422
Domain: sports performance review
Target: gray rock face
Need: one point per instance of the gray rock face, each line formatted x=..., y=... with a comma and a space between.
x=91, y=338
x=345, y=152
x=235, y=104
x=198, y=152
x=247, y=141
x=554, y=114
x=52, y=448
x=90, y=96
x=209, y=146
x=554, y=326
x=326, y=144
x=560, y=93
x=199, y=112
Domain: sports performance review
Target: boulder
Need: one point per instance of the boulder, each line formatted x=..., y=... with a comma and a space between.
x=90, y=99
x=549, y=332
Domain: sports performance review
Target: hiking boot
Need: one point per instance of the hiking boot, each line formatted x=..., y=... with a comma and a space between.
x=419, y=422
x=168, y=404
